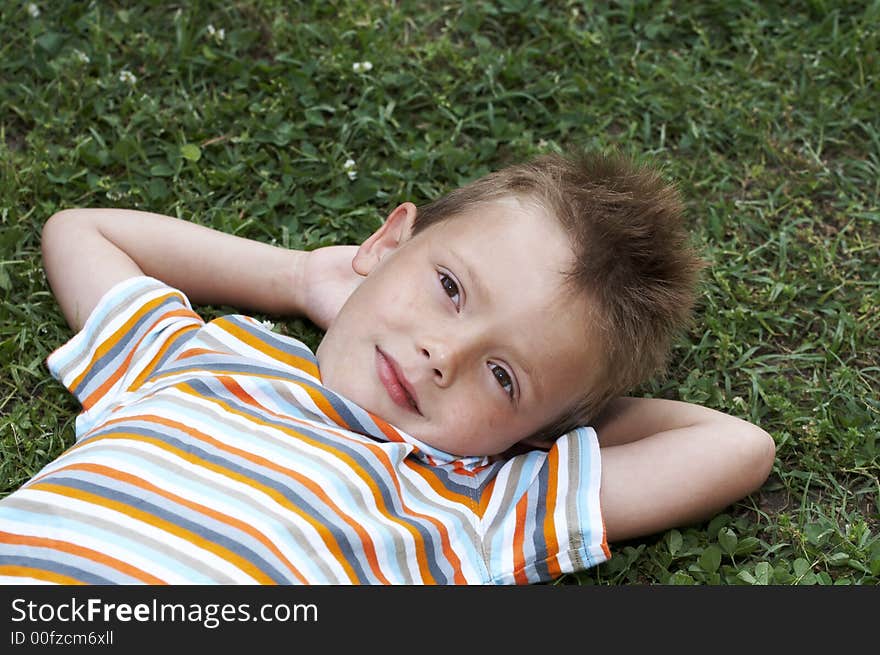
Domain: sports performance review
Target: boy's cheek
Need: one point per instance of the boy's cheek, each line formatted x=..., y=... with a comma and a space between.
x=379, y=300
x=477, y=419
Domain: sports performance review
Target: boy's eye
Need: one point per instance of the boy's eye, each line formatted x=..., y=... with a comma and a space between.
x=503, y=378
x=451, y=289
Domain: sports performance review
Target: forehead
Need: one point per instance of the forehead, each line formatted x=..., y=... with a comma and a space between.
x=512, y=243
x=512, y=259
x=511, y=227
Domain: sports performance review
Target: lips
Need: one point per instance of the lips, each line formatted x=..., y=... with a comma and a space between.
x=398, y=387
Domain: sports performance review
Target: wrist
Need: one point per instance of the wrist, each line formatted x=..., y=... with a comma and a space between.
x=288, y=288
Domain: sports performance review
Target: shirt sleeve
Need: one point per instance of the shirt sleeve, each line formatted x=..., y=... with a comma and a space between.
x=133, y=328
x=543, y=517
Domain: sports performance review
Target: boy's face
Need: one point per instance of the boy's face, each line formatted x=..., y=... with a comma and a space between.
x=461, y=335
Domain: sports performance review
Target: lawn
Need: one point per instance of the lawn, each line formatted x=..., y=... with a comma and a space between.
x=303, y=124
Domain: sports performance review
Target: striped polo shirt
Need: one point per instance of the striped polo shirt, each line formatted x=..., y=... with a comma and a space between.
x=211, y=453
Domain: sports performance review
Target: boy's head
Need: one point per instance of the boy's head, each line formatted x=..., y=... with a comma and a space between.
x=513, y=308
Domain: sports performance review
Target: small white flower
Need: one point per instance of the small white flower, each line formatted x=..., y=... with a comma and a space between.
x=33, y=10
x=269, y=325
x=349, y=168
x=362, y=66
x=218, y=35
x=127, y=76
x=81, y=56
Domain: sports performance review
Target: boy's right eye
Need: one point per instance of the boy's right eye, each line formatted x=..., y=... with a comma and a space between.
x=450, y=287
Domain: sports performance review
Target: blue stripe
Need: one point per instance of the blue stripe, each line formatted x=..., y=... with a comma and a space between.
x=61, y=568
x=281, y=342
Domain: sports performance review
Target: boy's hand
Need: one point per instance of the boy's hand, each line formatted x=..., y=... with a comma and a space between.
x=328, y=279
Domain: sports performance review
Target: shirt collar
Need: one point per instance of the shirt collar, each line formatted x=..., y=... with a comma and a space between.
x=350, y=416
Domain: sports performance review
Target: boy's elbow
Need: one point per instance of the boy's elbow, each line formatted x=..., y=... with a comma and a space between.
x=761, y=454
x=51, y=233
x=60, y=236
x=57, y=223
x=56, y=230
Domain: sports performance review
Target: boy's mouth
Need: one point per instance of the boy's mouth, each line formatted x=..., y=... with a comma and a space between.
x=395, y=383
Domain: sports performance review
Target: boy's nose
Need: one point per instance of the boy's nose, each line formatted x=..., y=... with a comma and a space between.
x=444, y=358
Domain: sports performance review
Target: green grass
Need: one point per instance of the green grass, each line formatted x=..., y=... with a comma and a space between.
x=765, y=114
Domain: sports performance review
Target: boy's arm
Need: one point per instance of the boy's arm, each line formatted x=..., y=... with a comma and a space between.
x=87, y=251
x=667, y=463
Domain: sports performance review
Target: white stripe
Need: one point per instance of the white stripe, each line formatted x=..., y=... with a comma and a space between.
x=285, y=396
x=10, y=580
x=593, y=498
x=562, y=495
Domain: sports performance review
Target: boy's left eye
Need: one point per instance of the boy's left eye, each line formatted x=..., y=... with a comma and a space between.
x=450, y=287
x=503, y=378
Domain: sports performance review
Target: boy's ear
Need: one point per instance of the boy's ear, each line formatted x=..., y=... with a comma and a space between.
x=396, y=229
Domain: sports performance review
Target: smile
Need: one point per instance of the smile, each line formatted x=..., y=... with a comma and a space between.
x=395, y=383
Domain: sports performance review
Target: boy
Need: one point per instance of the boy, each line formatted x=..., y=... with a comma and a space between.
x=439, y=434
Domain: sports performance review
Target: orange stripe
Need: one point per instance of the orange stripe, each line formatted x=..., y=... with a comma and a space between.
x=178, y=500
x=266, y=348
x=39, y=574
x=195, y=352
x=486, y=496
x=604, y=544
x=438, y=487
x=519, y=561
x=371, y=483
x=120, y=371
x=150, y=519
x=549, y=520
x=80, y=551
x=387, y=429
x=323, y=404
x=459, y=467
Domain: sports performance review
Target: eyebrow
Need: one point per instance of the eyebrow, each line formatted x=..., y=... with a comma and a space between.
x=482, y=293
